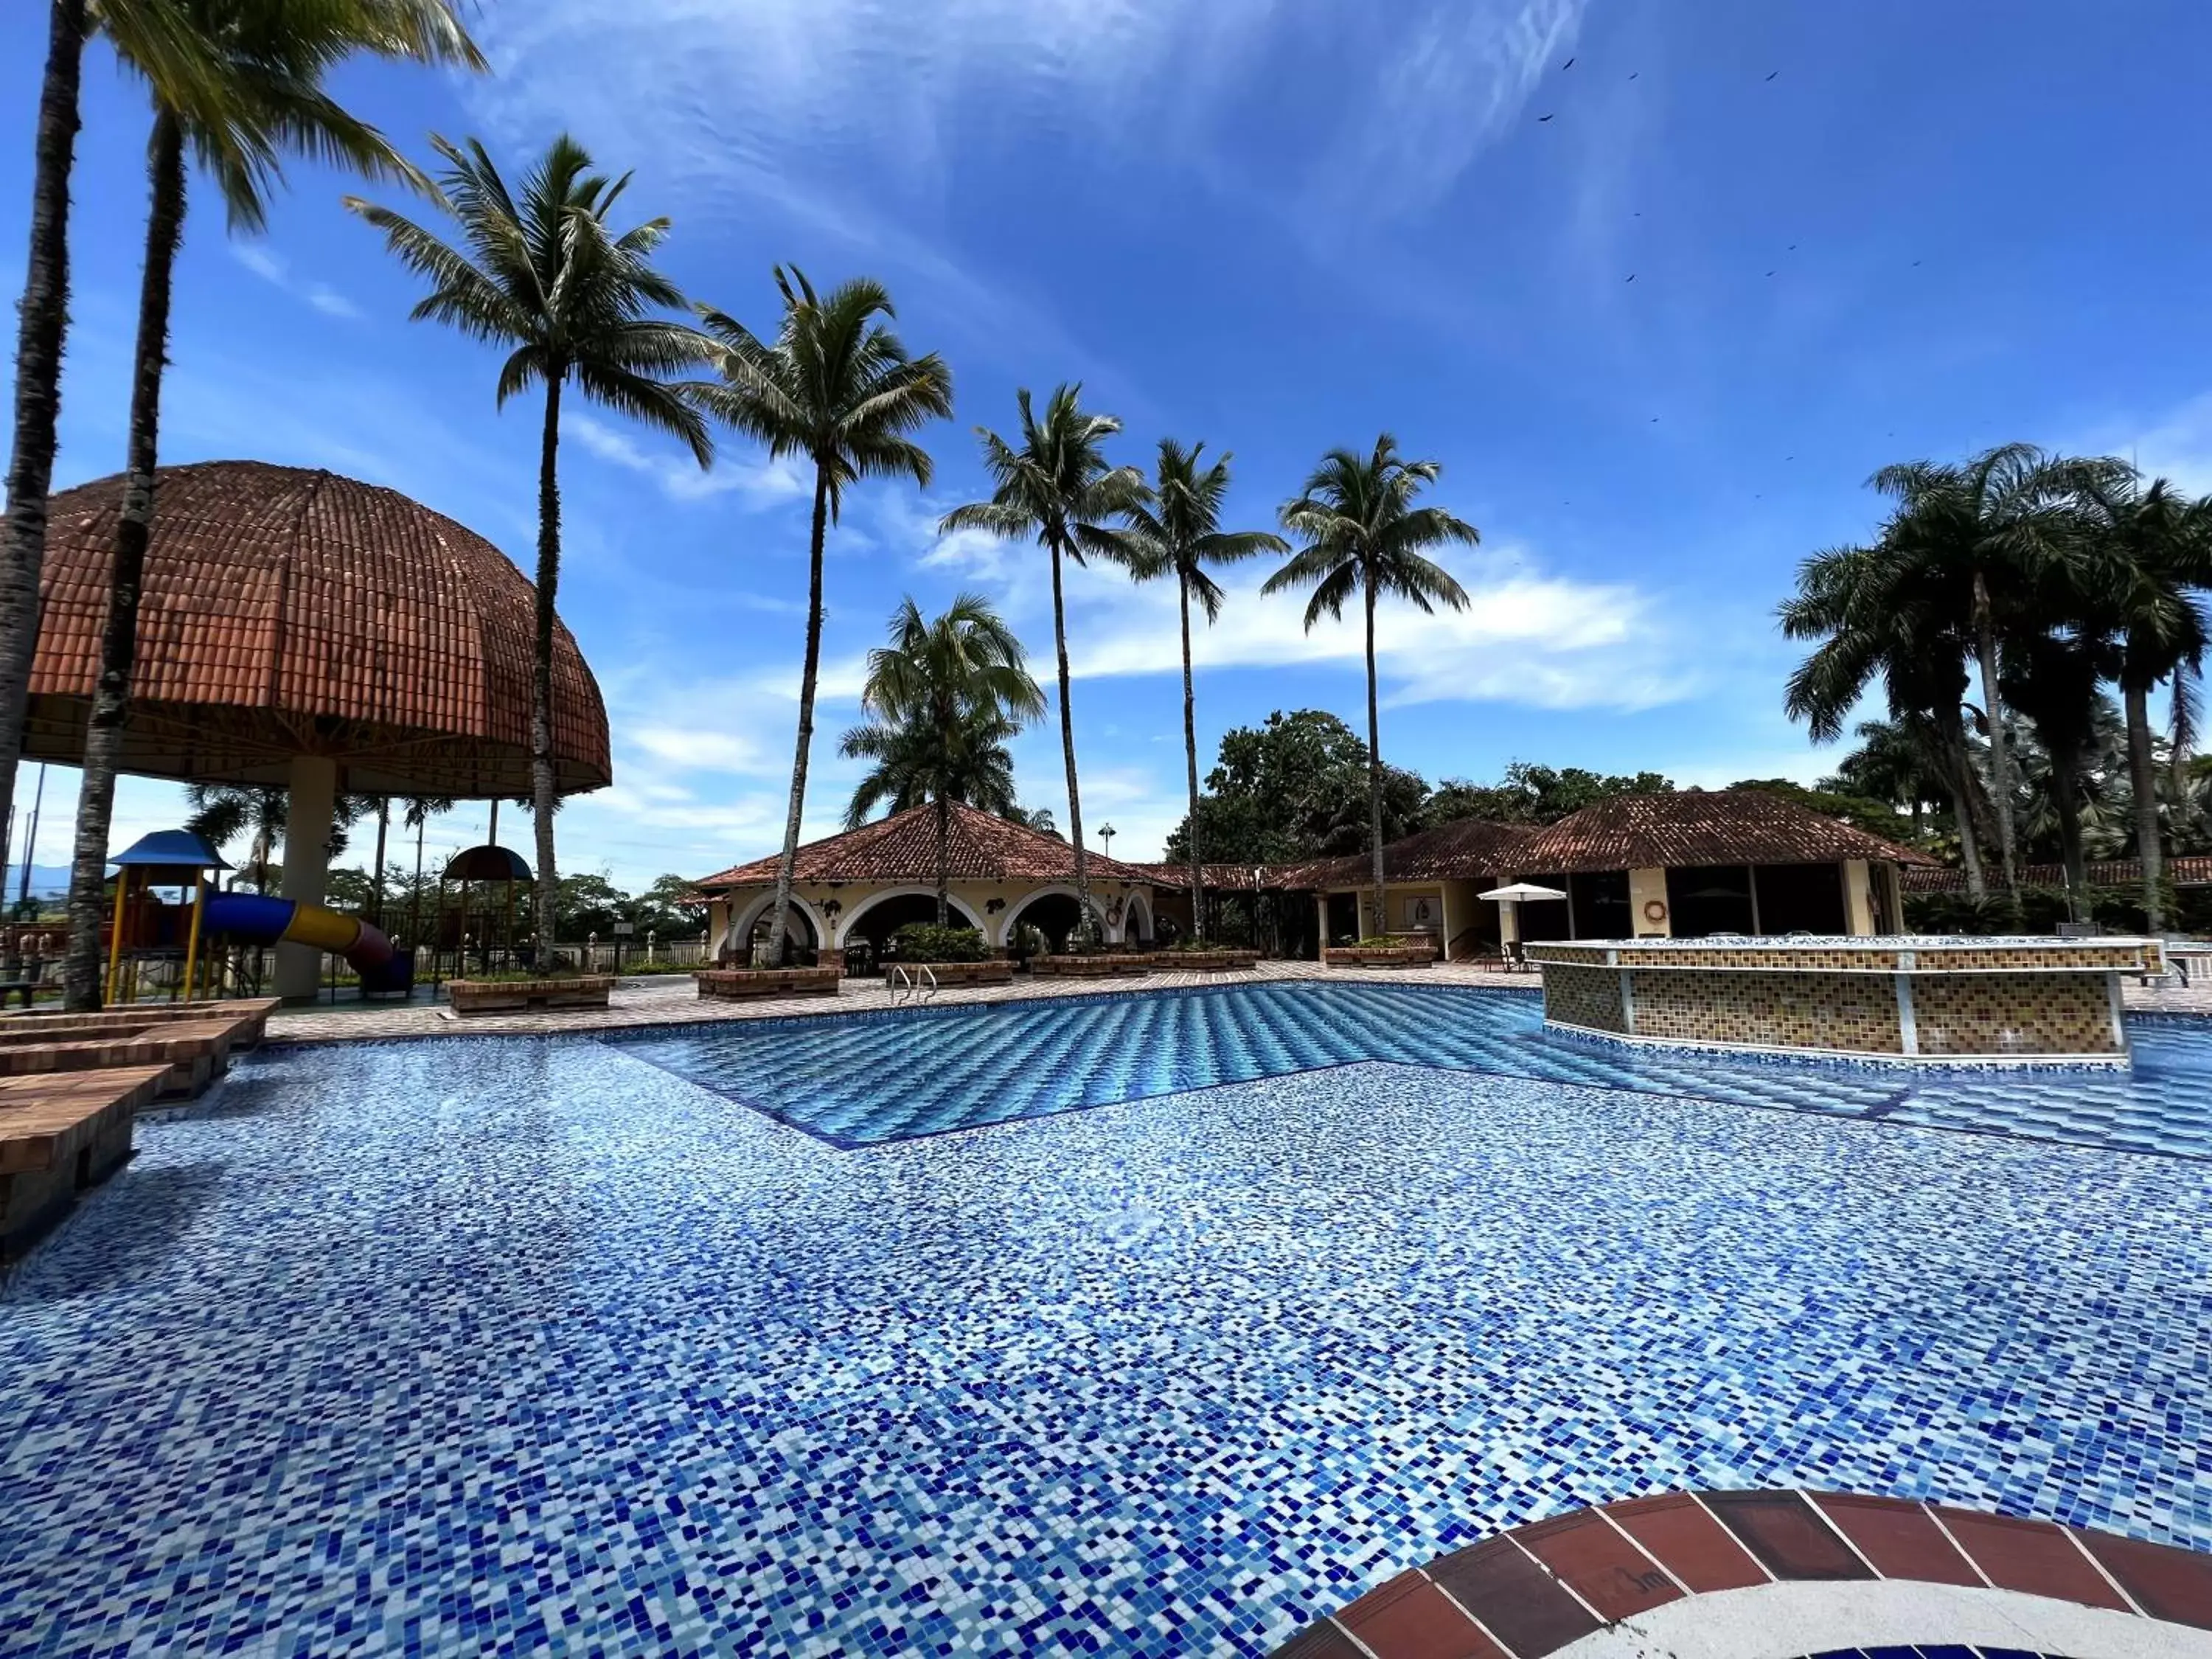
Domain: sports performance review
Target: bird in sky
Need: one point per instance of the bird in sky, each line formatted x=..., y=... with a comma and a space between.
x=1542, y=119
x=1633, y=73
x=1771, y=77
x=1632, y=276
x=1569, y=65
x=1770, y=273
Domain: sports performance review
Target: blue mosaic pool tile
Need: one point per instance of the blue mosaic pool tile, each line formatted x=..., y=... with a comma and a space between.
x=505, y=1345
x=885, y=1077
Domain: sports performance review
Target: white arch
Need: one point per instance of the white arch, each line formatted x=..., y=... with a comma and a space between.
x=1066, y=889
x=742, y=930
x=954, y=900
x=1138, y=899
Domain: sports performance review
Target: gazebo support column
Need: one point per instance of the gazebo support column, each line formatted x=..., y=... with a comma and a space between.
x=308, y=818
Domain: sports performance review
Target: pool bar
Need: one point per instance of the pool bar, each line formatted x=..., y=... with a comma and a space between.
x=1944, y=1001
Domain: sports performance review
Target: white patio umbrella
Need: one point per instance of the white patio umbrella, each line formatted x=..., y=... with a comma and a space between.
x=1519, y=893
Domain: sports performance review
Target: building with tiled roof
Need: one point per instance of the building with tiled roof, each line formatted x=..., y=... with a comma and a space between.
x=867, y=882
x=2190, y=870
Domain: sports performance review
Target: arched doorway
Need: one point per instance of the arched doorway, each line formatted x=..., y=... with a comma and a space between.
x=754, y=927
x=880, y=918
x=1052, y=914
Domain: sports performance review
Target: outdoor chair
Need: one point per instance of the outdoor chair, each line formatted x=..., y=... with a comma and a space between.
x=1516, y=958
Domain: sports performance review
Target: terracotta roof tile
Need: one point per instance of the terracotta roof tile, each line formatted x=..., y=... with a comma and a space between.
x=1695, y=828
x=1465, y=849
x=903, y=848
x=287, y=611
x=2186, y=871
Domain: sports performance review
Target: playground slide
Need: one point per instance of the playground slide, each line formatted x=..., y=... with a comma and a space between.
x=254, y=920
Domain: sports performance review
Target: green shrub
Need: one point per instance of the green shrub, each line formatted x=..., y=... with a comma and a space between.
x=925, y=941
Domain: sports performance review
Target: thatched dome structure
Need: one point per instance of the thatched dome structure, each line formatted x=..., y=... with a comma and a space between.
x=290, y=613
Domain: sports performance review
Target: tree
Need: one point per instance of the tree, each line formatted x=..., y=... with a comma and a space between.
x=1885, y=613
x=1295, y=787
x=548, y=276
x=838, y=387
x=1363, y=535
x=157, y=39
x=943, y=698
x=670, y=906
x=262, y=96
x=221, y=813
x=1987, y=531
x=1536, y=795
x=1176, y=531
x=1058, y=487
x=1876, y=818
x=416, y=814
x=1897, y=760
x=2147, y=548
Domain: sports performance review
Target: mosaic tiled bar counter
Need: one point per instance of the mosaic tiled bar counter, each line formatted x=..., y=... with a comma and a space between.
x=1939, y=1001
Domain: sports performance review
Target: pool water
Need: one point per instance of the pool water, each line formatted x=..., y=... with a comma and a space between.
x=862, y=1081
x=520, y=1345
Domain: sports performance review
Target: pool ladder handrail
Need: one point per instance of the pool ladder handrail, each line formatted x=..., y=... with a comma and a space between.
x=902, y=975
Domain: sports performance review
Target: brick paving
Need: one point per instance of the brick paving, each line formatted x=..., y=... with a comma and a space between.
x=672, y=999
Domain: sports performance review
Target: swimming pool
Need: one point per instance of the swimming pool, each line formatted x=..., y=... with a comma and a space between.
x=859, y=1081
x=531, y=1346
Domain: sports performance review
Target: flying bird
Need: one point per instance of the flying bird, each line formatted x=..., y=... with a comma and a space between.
x=1542, y=119
x=1770, y=273
x=1569, y=65
x=1771, y=77
x=1916, y=263
x=1632, y=74
x=1632, y=276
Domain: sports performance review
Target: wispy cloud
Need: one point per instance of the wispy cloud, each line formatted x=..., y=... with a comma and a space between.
x=758, y=483
x=274, y=269
x=1457, y=78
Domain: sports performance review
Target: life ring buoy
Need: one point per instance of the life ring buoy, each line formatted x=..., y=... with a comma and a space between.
x=1655, y=910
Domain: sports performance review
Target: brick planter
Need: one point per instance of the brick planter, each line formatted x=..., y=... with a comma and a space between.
x=516, y=996
x=1206, y=960
x=1389, y=956
x=1091, y=967
x=996, y=972
x=743, y=984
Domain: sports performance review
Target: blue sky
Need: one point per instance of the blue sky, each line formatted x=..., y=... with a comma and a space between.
x=1856, y=234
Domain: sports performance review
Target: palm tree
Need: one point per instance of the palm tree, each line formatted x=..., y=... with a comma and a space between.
x=1057, y=486
x=2148, y=549
x=262, y=96
x=1993, y=528
x=1363, y=535
x=415, y=815
x=1898, y=759
x=2052, y=679
x=837, y=387
x=221, y=813
x=156, y=38
x=943, y=698
x=1177, y=532
x=550, y=277
x=1880, y=615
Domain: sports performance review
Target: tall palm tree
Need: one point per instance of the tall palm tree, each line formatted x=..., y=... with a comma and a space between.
x=1994, y=527
x=1057, y=485
x=1363, y=536
x=156, y=37
x=1898, y=759
x=261, y=97
x=1176, y=531
x=2149, y=548
x=837, y=387
x=550, y=277
x=2052, y=679
x=944, y=699
x=1878, y=614
x=415, y=815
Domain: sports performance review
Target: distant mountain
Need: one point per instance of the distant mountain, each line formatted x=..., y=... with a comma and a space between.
x=48, y=880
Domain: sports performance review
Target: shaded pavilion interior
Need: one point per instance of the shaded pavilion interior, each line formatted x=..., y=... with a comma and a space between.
x=301, y=629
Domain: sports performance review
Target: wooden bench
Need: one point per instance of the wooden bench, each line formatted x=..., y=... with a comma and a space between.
x=60, y=1135
x=515, y=996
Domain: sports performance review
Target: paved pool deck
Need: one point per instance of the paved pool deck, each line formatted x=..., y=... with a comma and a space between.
x=672, y=999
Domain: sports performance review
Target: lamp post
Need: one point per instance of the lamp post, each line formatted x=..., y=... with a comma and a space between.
x=1106, y=833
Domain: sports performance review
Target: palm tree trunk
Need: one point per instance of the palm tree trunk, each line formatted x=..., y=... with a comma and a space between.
x=1084, y=923
x=541, y=674
x=780, y=928
x=943, y=861
x=1190, y=772
x=1985, y=639
x=415, y=895
x=1375, y=772
x=118, y=645
x=44, y=322
x=2142, y=773
x=2066, y=800
x=383, y=828
x=1952, y=732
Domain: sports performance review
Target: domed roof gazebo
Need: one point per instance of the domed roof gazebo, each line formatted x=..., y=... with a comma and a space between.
x=301, y=629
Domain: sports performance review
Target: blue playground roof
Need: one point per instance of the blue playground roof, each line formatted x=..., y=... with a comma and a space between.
x=178, y=849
